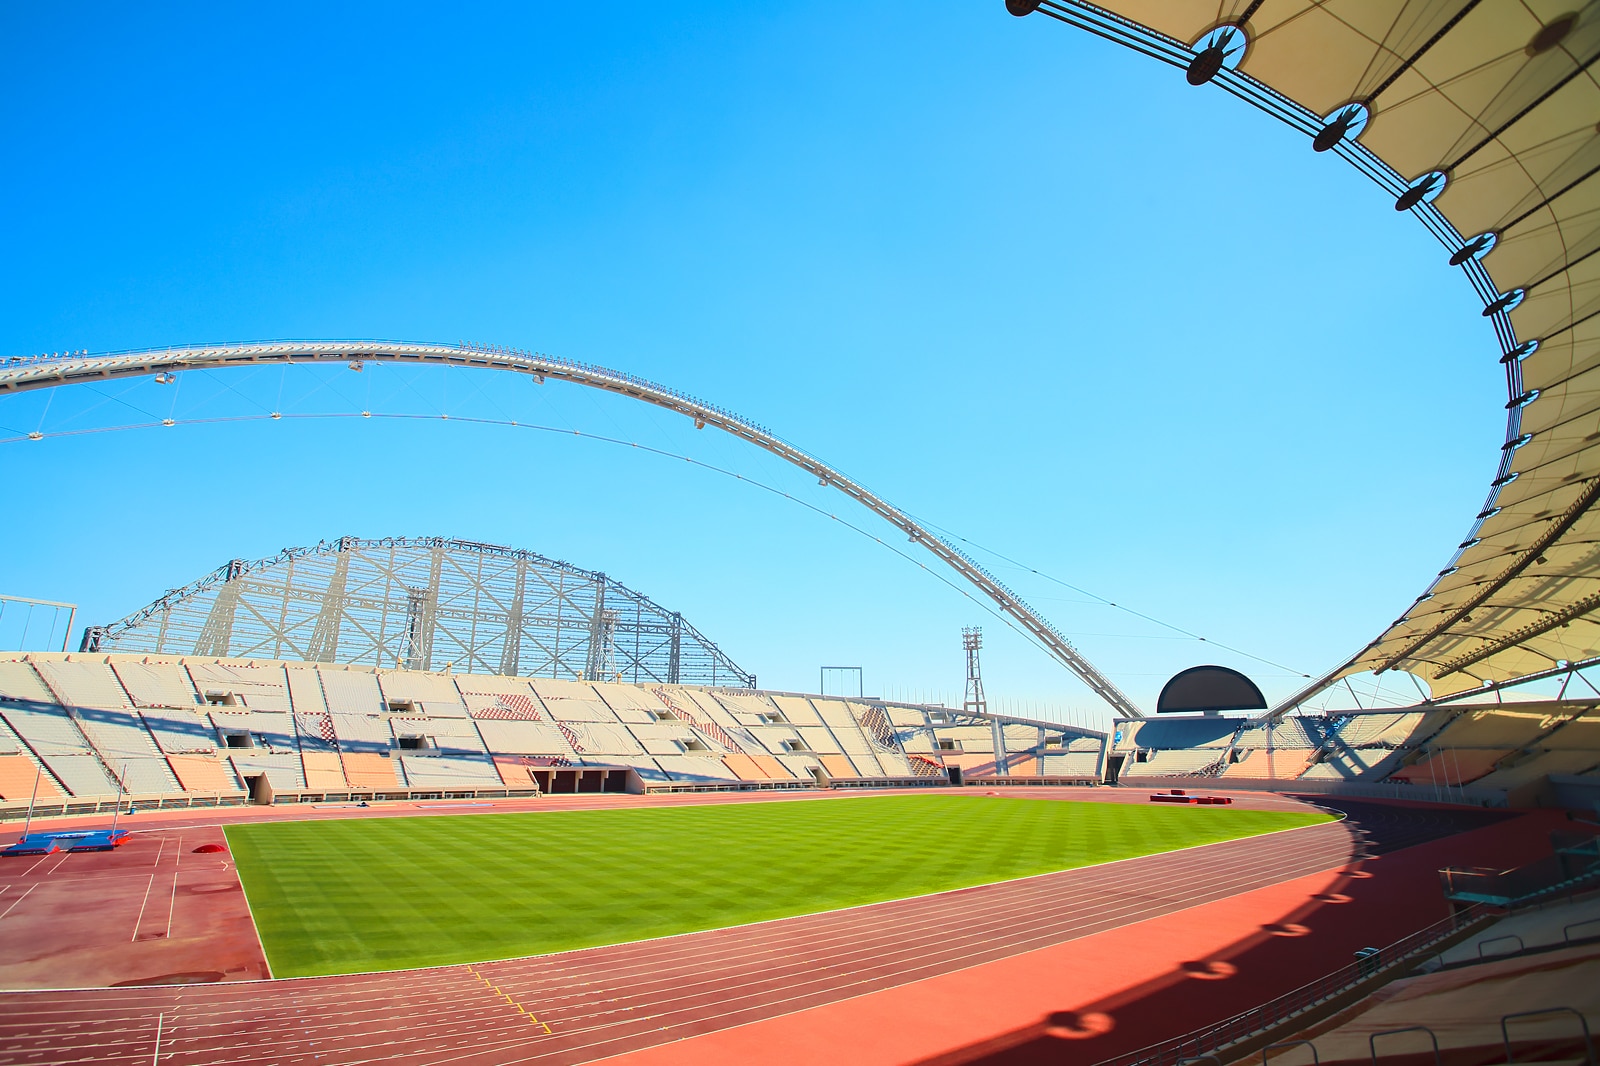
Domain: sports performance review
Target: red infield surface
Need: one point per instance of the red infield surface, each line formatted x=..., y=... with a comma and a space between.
x=1122, y=954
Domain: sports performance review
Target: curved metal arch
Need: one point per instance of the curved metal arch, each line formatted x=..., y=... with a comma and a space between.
x=43, y=372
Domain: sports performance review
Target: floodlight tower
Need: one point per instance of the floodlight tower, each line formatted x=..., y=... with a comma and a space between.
x=973, y=701
x=972, y=640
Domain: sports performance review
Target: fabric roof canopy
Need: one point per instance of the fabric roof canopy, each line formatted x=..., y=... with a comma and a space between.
x=1480, y=116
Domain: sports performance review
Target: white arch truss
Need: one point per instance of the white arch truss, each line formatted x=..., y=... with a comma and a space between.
x=43, y=372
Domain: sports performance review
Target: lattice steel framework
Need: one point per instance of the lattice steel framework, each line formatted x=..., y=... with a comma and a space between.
x=425, y=603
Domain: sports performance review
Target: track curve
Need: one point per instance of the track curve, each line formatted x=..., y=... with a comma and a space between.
x=583, y=1005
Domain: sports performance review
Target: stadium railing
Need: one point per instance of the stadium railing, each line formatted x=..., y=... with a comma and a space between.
x=1232, y=1038
x=56, y=808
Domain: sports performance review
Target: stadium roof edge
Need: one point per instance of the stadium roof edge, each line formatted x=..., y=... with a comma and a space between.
x=1479, y=120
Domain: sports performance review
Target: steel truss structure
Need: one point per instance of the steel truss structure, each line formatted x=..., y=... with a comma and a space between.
x=42, y=372
x=425, y=603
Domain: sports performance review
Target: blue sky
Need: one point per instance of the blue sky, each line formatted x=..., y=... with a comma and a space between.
x=1029, y=287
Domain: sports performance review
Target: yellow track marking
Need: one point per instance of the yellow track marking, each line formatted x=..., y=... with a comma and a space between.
x=497, y=990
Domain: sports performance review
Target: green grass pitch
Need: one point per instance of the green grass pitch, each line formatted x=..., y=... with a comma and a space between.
x=341, y=896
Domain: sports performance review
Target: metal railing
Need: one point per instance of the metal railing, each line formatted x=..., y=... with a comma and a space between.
x=1219, y=1036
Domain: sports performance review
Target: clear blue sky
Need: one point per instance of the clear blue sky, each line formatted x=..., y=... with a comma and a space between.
x=1028, y=286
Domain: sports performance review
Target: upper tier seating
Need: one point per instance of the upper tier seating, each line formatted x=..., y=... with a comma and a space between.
x=433, y=695
x=351, y=692
x=1172, y=763
x=524, y=737
x=1501, y=728
x=47, y=729
x=631, y=704
x=180, y=731
x=157, y=684
x=20, y=681
x=257, y=687
x=305, y=689
x=1177, y=733
x=797, y=710
x=570, y=701
x=84, y=684
x=206, y=773
x=204, y=724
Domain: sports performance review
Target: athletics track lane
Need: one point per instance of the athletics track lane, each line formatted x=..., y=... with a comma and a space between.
x=583, y=1005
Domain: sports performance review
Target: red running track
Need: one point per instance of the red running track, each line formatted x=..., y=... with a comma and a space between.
x=583, y=1005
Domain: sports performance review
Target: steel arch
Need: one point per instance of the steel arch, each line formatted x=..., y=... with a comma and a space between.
x=21, y=374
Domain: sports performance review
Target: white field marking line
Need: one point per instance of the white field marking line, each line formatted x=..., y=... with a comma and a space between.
x=1273, y=801
x=1338, y=818
x=859, y=906
x=656, y=1020
x=1005, y=909
x=1157, y=856
x=262, y=944
x=826, y=972
x=172, y=904
x=139, y=920
x=1244, y=839
x=416, y=1034
x=924, y=964
x=860, y=935
x=160, y=851
x=16, y=901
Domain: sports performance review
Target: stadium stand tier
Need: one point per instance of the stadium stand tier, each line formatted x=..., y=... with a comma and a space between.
x=1504, y=754
x=92, y=725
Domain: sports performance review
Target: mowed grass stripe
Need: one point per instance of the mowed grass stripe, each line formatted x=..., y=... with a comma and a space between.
x=343, y=896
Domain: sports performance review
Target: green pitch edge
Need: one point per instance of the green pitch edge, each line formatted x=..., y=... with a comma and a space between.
x=351, y=895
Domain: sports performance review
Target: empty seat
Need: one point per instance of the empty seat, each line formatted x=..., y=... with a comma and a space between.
x=367, y=770
x=351, y=693
x=798, y=710
x=178, y=731
x=20, y=775
x=257, y=686
x=84, y=683
x=203, y=773
x=838, y=766
x=305, y=689
x=82, y=774
x=148, y=776
x=322, y=770
x=435, y=695
x=695, y=768
x=157, y=684
x=47, y=728
x=283, y=770
x=524, y=738
x=450, y=771
x=19, y=681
